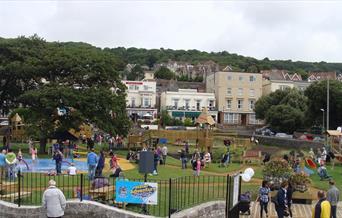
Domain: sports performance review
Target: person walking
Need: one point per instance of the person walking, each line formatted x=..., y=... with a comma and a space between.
x=164, y=153
x=264, y=197
x=2, y=164
x=100, y=164
x=155, y=161
x=289, y=193
x=58, y=157
x=198, y=166
x=322, y=209
x=333, y=196
x=34, y=152
x=53, y=201
x=92, y=160
x=280, y=201
x=183, y=159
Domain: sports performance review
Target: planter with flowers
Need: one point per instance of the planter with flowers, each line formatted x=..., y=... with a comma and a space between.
x=300, y=182
x=276, y=172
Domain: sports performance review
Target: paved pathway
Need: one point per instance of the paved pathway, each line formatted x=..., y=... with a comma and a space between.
x=298, y=210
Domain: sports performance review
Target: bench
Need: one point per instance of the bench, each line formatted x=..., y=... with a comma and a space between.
x=104, y=193
x=251, y=155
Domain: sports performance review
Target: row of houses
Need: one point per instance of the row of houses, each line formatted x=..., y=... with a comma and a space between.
x=229, y=96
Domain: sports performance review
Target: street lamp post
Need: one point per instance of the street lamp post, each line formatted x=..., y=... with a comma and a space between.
x=323, y=119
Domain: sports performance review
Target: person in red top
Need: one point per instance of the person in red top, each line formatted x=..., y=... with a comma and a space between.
x=114, y=161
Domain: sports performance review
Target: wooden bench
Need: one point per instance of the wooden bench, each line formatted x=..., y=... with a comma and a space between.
x=251, y=155
x=15, y=196
x=104, y=193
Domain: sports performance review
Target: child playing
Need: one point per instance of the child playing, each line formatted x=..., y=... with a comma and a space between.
x=33, y=151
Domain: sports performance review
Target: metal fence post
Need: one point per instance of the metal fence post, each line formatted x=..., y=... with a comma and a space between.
x=81, y=191
x=170, y=198
x=19, y=188
x=227, y=195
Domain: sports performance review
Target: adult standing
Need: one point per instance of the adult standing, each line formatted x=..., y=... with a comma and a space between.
x=92, y=160
x=183, y=159
x=164, y=153
x=100, y=164
x=58, y=157
x=322, y=209
x=333, y=196
x=289, y=194
x=156, y=160
x=264, y=198
x=280, y=201
x=54, y=201
x=2, y=164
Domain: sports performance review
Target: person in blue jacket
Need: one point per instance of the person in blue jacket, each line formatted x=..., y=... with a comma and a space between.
x=281, y=200
x=92, y=160
x=100, y=164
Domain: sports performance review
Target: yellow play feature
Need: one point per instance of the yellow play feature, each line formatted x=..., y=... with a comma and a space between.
x=124, y=164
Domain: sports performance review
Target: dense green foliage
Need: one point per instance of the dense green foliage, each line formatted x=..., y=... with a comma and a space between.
x=283, y=110
x=317, y=99
x=40, y=77
x=237, y=62
x=137, y=73
x=164, y=73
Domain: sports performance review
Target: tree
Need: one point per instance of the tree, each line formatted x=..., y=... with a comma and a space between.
x=137, y=73
x=317, y=100
x=188, y=122
x=76, y=77
x=165, y=118
x=284, y=118
x=164, y=73
x=283, y=110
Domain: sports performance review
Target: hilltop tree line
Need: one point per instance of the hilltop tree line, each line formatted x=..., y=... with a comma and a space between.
x=150, y=57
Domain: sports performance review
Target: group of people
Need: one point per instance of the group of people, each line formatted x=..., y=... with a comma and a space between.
x=325, y=207
x=198, y=160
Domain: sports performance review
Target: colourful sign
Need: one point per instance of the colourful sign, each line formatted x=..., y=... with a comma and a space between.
x=136, y=192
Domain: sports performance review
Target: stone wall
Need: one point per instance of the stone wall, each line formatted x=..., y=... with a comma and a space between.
x=288, y=143
x=74, y=209
x=213, y=209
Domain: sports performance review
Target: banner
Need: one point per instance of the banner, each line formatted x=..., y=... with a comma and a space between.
x=236, y=189
x=136, y=192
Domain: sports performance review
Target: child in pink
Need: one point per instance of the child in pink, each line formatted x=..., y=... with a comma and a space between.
x=198, y=167
x=33, y=151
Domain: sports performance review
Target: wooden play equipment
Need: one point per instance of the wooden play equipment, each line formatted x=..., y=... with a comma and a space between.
x=18, y=128
x=252, y=155
x=334, y=140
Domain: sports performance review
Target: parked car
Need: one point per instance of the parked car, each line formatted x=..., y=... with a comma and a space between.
x=283, y=135
x=4, y=123
x=265, y=131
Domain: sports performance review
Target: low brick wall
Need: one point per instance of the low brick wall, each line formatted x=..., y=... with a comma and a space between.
x=213, y=209
x=74, y=209
x=288, y=143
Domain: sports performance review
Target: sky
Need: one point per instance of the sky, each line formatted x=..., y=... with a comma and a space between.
x=296, y=30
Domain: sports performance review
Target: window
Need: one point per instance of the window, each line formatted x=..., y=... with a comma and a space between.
x=175, y=103
x=211, y=103
x=147, y=102
x=198, y=105
x=239, y=104
x=231, y=118
x=253, y=121
x=145, y=87
x=252, y=78
x=187, y=104
x=136, y=87
x=229, y=104
x=131, y=87
x=240, y=78
x=251, y=92
x=133, y=102
x=229, y=91
x=240, y=91
x=251, y=105
x=229, y=77
x=283, y=87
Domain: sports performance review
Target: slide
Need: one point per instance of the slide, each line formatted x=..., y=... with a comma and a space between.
x=22, y=160
x=311, y=164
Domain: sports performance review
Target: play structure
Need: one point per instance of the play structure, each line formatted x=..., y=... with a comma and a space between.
x=334, y=138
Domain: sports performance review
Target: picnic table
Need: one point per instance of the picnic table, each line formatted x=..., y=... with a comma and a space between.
x=251, y=155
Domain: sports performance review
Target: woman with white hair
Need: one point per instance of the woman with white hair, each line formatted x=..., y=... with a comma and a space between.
x=54, y=201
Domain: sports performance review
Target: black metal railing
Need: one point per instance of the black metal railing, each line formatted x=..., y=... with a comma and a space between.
x=174, y=194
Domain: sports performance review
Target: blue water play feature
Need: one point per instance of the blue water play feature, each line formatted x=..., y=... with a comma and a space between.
x=46, y=165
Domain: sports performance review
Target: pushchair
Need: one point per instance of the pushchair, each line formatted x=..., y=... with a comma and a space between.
x=245, y=203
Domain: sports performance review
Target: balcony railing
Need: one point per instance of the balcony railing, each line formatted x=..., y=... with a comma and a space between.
x=140, y=106
x=183, y=108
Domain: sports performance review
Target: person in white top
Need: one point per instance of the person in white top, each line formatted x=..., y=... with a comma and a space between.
x=54, y=201
x=72, y=171
x=164, y=153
